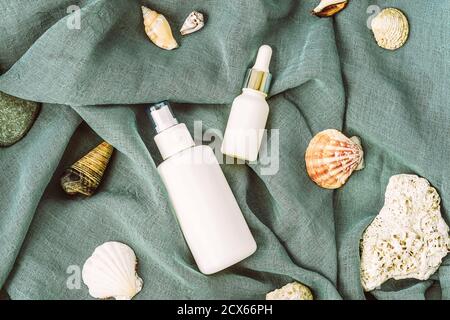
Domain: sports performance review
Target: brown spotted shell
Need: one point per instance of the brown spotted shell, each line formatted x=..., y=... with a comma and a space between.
x=85, y=175
x=331, y=158
x=328, y=8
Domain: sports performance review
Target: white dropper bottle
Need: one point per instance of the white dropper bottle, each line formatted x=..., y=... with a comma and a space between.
x=249, y=112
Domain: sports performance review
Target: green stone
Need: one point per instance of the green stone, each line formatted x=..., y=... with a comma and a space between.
x=16, y=118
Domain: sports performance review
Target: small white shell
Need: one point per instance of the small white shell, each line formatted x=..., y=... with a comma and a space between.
x=291, y=291
x=111, y=272
x=408, y=238
x=194, y=22
x=158, y=29
x=390, y=28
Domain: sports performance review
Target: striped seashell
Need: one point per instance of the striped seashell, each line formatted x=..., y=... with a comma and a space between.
x=331, y=158
x=85, y=175
x=158, y=29
x=390, y=28
x=328, y=8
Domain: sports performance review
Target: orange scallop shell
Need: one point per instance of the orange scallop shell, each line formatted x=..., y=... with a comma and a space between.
x=331, y=158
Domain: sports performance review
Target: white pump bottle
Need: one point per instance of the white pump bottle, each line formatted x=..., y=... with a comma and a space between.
x=210, y=218
x=249, y=112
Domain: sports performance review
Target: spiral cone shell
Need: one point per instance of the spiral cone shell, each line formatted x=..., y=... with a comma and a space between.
x=85, y=175
x=158, y=29
x=331, y=158
x=390, y=28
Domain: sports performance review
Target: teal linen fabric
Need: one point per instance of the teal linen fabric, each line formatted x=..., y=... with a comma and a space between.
x=95, y=82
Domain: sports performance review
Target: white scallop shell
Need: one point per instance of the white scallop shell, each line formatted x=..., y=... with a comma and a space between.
x=111, y=272
x=390, y=28
x=194, y=22
x=291, y=291
x=408, y=238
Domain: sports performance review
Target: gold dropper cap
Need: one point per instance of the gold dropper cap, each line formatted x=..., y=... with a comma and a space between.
x=259, y=78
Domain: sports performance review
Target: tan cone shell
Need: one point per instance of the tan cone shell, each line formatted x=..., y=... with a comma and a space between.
x=85, y=175
x=158, y=29
x=331, y=158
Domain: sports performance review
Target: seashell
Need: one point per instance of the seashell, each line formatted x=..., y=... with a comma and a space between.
x=291, y=291
x=328, y=8
x=193, y=23
x=408, y=238
x=111, y=272
x=158, y=29
x=85, y=175
x=331, y=158
x=390, y=28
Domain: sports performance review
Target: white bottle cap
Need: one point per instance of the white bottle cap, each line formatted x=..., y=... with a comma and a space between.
x=162, y=116
x=171, y=137
x=263, y=58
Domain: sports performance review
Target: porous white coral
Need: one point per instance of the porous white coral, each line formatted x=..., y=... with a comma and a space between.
x=291, y=291
x=408, y=238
